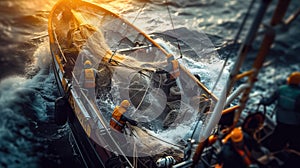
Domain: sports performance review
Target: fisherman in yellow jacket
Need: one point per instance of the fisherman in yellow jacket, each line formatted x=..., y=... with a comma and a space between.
x=118, y=119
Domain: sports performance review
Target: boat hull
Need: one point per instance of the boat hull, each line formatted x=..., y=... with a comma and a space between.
x=97, y=144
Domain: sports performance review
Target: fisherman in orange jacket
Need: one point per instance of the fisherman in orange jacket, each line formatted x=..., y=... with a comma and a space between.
x=236, y=152
x=118, y=119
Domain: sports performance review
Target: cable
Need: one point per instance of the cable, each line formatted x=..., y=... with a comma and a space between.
x=142, y=97
x=198, y=121
x=174, y=29
x=234, y=43
x=139, y=12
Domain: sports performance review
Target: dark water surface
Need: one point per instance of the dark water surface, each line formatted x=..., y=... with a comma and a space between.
x=28, y=135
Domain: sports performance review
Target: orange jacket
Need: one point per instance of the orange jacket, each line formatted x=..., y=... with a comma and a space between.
x=116, y=122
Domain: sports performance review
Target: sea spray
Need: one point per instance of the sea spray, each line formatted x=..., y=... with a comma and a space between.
x=26, y=107
x=15, y=136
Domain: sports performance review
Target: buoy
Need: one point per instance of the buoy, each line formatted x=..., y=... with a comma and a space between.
x=62, y=108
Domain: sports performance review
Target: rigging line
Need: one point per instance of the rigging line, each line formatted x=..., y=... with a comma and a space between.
x=140, y=11
x=234, y=43
x=202, y=111
x=143, y=97
x=174, y=29
x=134, y=154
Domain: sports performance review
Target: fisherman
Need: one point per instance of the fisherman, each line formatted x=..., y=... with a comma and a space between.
x=287, y=114
x=88, y=77
x=236, y=151
x=118, y=119
x=172, y=74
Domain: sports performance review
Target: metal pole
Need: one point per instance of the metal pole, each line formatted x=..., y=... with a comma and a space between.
x=247, y=43
x=280, y=11
x=258, y=63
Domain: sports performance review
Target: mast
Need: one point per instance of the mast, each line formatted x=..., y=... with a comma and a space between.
x=266, y=44
x=257, y=64
x=242, y=53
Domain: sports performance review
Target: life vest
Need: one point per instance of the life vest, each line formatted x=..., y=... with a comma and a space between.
x=89, y=78
x=287, y=97
x=175, y=69
x=115, y=121
x=245, y=154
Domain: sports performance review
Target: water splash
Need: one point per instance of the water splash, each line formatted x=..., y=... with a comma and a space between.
x=27, y=104
x=15, y=135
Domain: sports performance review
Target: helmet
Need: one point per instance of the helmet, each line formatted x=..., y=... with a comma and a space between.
x=294, y=78
x=87, y=64
x=236, y=135
x=125, y=104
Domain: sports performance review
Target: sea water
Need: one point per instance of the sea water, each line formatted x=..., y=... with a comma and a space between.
x=28, y=135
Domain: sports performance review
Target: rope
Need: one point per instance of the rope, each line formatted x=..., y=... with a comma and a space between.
x=140, y=11
x=174, y=29
x=142, y=98
x=199, y=119
x=234, y=43
x=134, y=155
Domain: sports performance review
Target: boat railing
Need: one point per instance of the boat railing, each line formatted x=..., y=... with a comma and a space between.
x=87, y=102
x=134, y=48
x=59, y=48
x=90, y=107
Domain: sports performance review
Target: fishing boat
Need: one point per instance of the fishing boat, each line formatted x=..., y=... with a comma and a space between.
x=130, y=65
x=163, y=93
